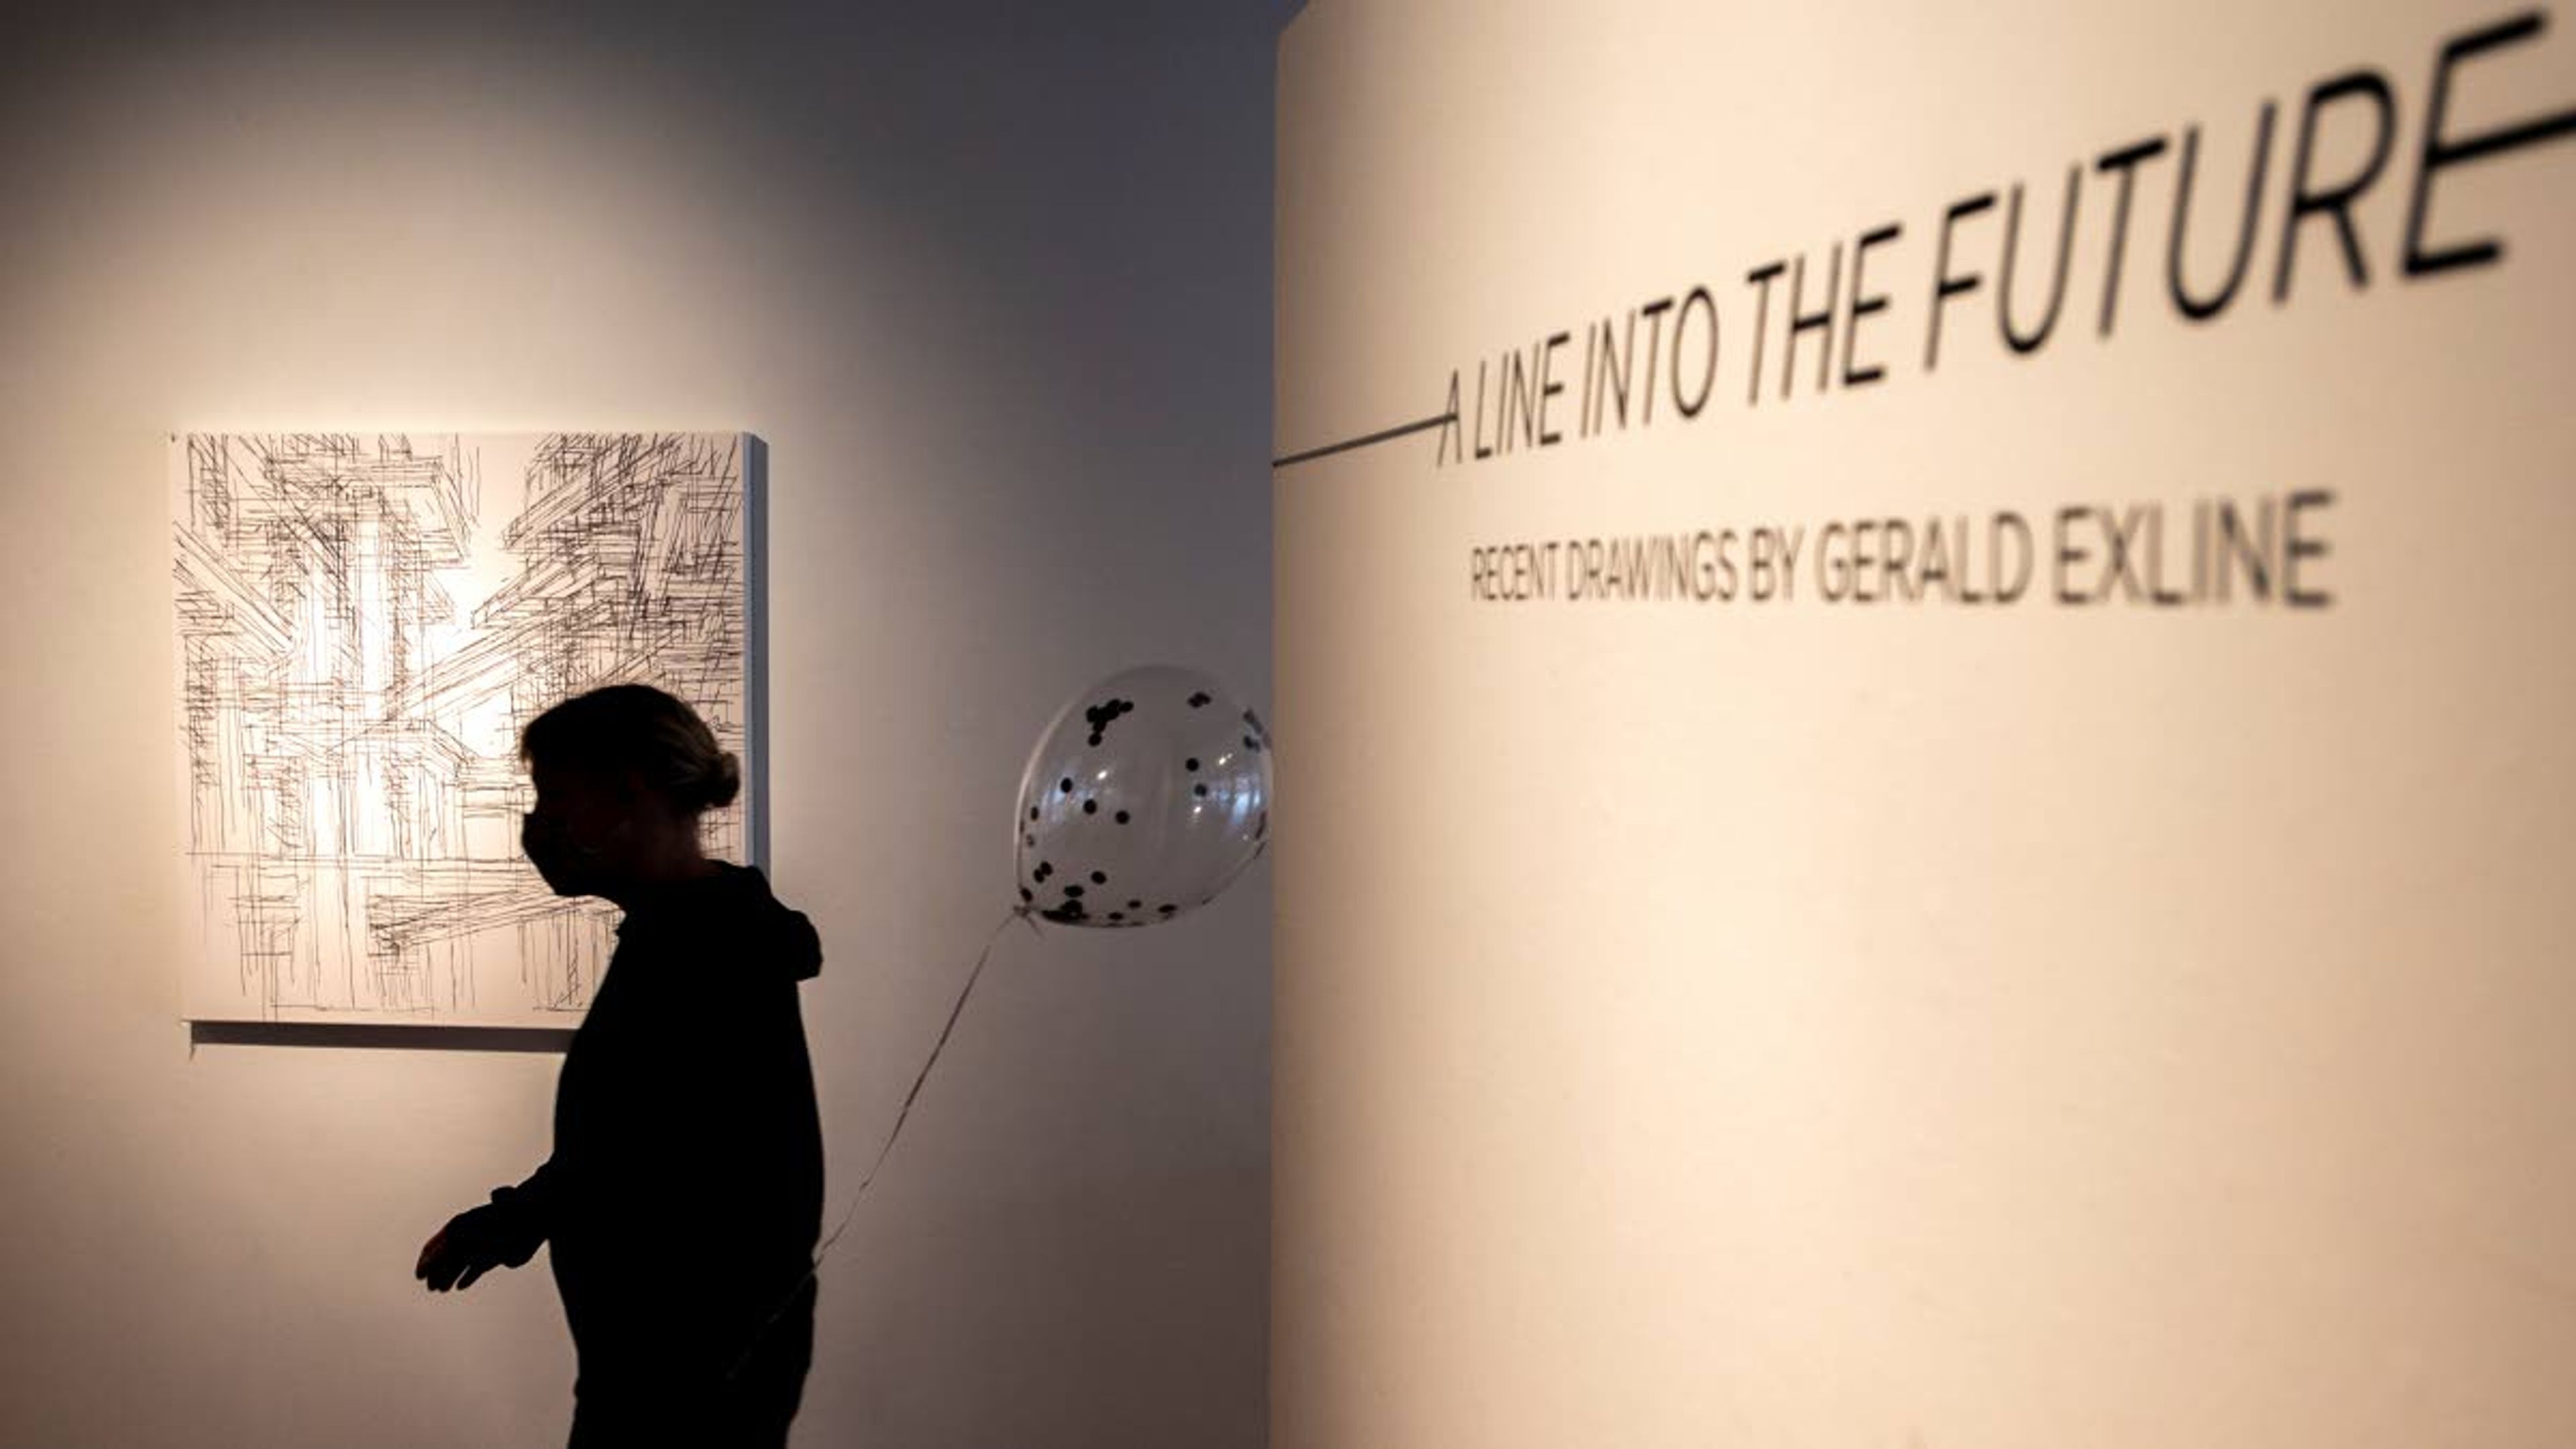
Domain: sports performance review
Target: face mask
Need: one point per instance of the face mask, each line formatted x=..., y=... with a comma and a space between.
x=568, y=863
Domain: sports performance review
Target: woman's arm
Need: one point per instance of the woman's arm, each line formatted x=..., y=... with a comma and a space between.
x=528, y=1209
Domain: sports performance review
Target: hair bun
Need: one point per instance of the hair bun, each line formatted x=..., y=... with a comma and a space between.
x=723, y=781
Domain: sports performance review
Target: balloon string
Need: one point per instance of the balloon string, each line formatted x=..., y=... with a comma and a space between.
x=903, y=1114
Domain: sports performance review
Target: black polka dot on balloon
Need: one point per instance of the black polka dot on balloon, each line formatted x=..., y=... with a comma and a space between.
x=1191, y=763
x=1100, y=877
x=1074, y=891
x=1198, y=699
x=1135, y=905
x=1199, y=790
x=1117, y=915
x=1167, y=910
x=1033, y=812
x=1027, y=895
x=1252, y=744
x=1065, y=784
x=1102, y=716
x=1121, y=817
x=1090, y=807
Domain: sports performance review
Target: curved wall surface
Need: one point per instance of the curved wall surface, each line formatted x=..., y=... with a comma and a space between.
x=1928, y=806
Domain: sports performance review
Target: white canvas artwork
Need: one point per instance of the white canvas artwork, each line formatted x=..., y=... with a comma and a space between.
x=364, y=624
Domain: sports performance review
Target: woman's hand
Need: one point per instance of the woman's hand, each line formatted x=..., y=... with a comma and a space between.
x=473, y=1243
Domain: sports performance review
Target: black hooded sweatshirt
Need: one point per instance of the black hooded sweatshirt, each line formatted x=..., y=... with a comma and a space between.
x=685, y=1193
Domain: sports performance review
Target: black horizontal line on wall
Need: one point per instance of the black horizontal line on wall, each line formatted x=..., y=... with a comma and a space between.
x=1380, y=436
x=379, y=1035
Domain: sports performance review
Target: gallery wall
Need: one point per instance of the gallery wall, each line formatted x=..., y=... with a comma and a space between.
x=990, y=282
x=1733, y=988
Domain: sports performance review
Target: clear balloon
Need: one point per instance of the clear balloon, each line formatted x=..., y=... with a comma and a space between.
x=1147, y=796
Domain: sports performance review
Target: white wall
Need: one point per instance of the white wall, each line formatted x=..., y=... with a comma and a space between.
x=992, y=287
x=1920, y=1026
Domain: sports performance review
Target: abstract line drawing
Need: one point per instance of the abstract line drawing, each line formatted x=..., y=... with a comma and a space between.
x=364, y=624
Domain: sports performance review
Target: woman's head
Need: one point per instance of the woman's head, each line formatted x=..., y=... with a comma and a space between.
x=622, y=774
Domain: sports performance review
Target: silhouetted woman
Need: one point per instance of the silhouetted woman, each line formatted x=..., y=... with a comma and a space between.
x=685, y=1191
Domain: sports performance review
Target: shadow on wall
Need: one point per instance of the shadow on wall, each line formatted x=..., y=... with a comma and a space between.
x=416, y=1038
